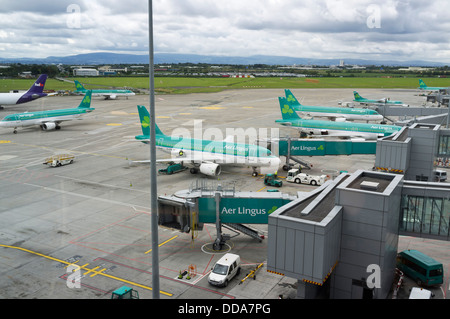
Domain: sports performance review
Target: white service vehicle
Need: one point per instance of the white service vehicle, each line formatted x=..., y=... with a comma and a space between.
x=58, y=160
x=225, y=269
x=420, y=293
x=440, y=175
x=294, y=176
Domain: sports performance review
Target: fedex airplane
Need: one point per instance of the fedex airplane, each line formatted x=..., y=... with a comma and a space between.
x=35, y=92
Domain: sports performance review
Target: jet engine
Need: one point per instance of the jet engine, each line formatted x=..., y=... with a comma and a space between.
x=211, y=169
x=48, y=126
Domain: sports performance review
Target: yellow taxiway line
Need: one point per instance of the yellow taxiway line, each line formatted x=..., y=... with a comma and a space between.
x=93, y=270
x=165, y=242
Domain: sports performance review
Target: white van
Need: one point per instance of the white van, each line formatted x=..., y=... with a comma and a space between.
x=225, y=269
x=420, y=293
x=440, y=175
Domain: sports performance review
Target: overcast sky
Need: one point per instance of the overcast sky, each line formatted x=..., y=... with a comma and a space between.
x=367, y=29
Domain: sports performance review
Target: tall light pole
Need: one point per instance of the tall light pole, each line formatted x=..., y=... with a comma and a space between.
x=153, y=189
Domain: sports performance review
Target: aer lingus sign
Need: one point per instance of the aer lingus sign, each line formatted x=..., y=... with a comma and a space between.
x=239, y=210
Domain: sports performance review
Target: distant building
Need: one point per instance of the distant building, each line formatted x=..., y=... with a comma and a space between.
x=26, y=74
x=416, y=69
x=85, y=72
x=107, y=70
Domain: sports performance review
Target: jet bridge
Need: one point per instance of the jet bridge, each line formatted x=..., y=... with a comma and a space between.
x=293, y=147
x=220, y=204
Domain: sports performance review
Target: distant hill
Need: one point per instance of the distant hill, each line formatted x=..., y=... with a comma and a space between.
x=102, y=58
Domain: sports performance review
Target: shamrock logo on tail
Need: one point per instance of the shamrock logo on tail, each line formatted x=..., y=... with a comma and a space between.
x=146, y=122
x=287, y=110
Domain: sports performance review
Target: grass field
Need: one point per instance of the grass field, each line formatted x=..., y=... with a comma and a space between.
x=174, y=85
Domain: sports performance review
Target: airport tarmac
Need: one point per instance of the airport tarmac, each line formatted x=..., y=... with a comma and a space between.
x=95, y=213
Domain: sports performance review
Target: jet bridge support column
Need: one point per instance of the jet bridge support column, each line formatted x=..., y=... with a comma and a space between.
x=220, y=238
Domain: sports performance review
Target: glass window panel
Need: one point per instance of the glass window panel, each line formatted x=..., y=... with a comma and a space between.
x=436, y=211
x=445, y=218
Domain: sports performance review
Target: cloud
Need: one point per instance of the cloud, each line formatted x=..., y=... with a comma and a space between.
x=337, y=29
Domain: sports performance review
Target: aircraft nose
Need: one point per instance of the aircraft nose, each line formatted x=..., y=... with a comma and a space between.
x=275, y=162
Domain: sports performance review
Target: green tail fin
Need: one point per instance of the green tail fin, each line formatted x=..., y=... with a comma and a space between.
x=291, y=99
x=79, y=86
x=144, y=117
x=422, y=83
x=86, y=102
x=287, y=112
x=357, y=96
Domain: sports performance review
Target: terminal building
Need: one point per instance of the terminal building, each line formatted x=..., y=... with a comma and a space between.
x=331, y=238
x=334, y=239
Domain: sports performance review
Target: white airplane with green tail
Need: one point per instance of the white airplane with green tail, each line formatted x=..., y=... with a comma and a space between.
x=333, y=113
x=48, y=120
x=331, y=128
x=207, y=156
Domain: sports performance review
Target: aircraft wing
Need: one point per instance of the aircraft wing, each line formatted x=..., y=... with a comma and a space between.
x=187, y=160
x=56, y=121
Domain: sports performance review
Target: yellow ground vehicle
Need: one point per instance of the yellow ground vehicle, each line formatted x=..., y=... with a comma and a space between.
x=58, y=160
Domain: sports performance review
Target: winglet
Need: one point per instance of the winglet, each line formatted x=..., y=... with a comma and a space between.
x=287, y=112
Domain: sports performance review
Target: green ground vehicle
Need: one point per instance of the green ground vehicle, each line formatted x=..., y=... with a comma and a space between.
x=271, y=180
x=420, y=267
x=172, y=169
x=125, y=292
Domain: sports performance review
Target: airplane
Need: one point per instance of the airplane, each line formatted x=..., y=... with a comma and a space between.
x=108, y=94
x=48, y=120
x=361, y=100
x=339, y=114
x=332, y=128
x=33, y=93
x=423, y=86
x=206, y=156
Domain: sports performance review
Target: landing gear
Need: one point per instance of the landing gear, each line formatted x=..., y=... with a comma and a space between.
x=255, y=173
x=193, y=170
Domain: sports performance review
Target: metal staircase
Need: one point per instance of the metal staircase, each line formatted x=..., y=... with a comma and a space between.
x=245, y=230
